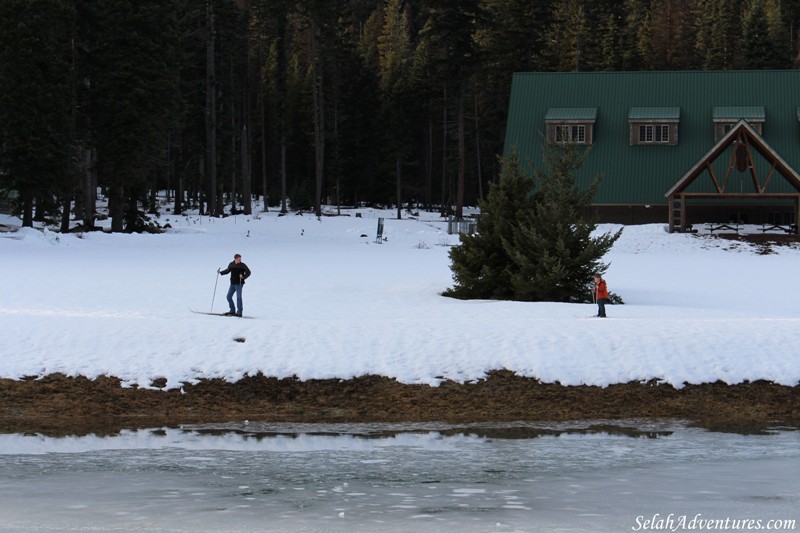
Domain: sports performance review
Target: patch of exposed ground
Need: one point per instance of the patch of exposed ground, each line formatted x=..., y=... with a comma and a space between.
x=58, y=404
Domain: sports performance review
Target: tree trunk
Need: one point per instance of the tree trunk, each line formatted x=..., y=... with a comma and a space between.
x=131, y=207
x=211, y=114
x=247, y=187
x=319, y=117
x=233, y=149
x=462, y=157
x=445, y=208
x=65, y=212
x=399, y=187
x=152, y=208
x=478, y=145
x=116, y=202
x=281, y=86
x=283, y=173
x=246, y=203
x=265, y=208
x=429, y=163
x=89, y=189
x=27, y=210
x=178, y=208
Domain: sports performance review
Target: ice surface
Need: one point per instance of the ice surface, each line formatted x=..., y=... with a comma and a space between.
x=364, y=479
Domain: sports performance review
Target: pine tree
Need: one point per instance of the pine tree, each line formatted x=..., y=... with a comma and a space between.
x=553, y=253
x=394, y=60
x=576, y=34
x=35, y=103
x=451, y=26
x=719, y=33
x=534, y=240
x=755, y=38
x=480, y=264
x=611, y=43
x=135, y=91
x=631, y=40
x=665, y=38
x=779, y=35
x=568, y=35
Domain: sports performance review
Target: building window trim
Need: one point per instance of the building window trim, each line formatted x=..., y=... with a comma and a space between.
x=570, y=125
x=653, y=133
x=654, y=125
x=570, y=133
x=726, y=117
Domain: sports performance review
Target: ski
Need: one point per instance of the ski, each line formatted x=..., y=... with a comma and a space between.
x=218, y=314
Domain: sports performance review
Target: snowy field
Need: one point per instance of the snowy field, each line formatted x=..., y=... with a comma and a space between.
x=330, y=302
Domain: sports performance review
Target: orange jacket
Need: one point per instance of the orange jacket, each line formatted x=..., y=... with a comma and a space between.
x=601, y=289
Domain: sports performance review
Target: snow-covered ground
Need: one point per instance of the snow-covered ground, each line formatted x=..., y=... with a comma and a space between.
x=329, y=302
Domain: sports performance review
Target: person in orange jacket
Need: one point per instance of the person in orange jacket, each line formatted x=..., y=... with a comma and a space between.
x=601, y=294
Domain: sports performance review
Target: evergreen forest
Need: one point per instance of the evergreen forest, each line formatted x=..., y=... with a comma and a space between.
x=313, y=102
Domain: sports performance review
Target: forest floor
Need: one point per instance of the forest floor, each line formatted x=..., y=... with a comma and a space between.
x=61, y=405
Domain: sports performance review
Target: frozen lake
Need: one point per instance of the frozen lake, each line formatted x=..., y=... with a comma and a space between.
x=576, y=477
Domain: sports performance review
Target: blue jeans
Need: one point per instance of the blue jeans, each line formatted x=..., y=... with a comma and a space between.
x=238, y=290
x=601, y=307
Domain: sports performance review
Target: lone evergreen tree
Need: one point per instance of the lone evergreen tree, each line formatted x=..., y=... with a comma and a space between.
x=534, y=240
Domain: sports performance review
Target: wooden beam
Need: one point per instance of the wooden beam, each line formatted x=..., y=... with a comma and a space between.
x=714, y=178
x=797, y=216
x=731, y=164
x=769, y=176
x=745, y=195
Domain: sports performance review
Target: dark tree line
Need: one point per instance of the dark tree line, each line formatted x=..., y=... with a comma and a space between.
x=388, y=102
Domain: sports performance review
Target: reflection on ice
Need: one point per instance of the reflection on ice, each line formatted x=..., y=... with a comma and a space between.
x=393, y=478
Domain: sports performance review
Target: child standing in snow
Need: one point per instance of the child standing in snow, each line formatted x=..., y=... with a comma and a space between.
x=601, y=294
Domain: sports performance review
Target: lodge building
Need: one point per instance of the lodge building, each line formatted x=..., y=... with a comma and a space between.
x=684, y=148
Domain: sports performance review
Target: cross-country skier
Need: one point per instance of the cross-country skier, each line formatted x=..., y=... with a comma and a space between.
x=239, y=272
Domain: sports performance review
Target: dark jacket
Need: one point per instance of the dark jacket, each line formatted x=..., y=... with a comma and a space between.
x=238, y=273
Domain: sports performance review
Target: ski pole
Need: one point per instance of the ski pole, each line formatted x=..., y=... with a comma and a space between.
x=216, y=280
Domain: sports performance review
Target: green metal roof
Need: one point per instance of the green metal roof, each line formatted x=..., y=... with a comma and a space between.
x=641, y=174
x=747, y=112
x=670, y=114
x=588, y=114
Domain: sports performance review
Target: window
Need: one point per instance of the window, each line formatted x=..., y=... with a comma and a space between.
x=571, y=125
x=726, y=117
x=571, y=133
x=653, y=133
x=654, y=125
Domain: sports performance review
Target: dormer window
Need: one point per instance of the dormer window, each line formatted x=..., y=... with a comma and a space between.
x=726, y=117
x=654, y=125
x=571, y=133
x=571, y=125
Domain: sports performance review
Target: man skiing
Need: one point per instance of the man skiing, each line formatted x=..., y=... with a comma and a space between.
x=239, y=272
x=601, y=293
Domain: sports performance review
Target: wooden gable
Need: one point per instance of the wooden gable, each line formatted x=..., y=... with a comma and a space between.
x=744, y=141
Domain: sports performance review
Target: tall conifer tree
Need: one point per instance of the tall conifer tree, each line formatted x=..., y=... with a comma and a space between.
x=35, y=103
x=534, y=240
x=135, y=88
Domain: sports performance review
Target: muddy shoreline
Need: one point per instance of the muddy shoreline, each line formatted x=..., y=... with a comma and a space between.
x=61, y=405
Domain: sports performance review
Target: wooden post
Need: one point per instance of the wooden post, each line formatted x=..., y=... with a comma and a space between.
x=677, y=213
x=796, y=214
